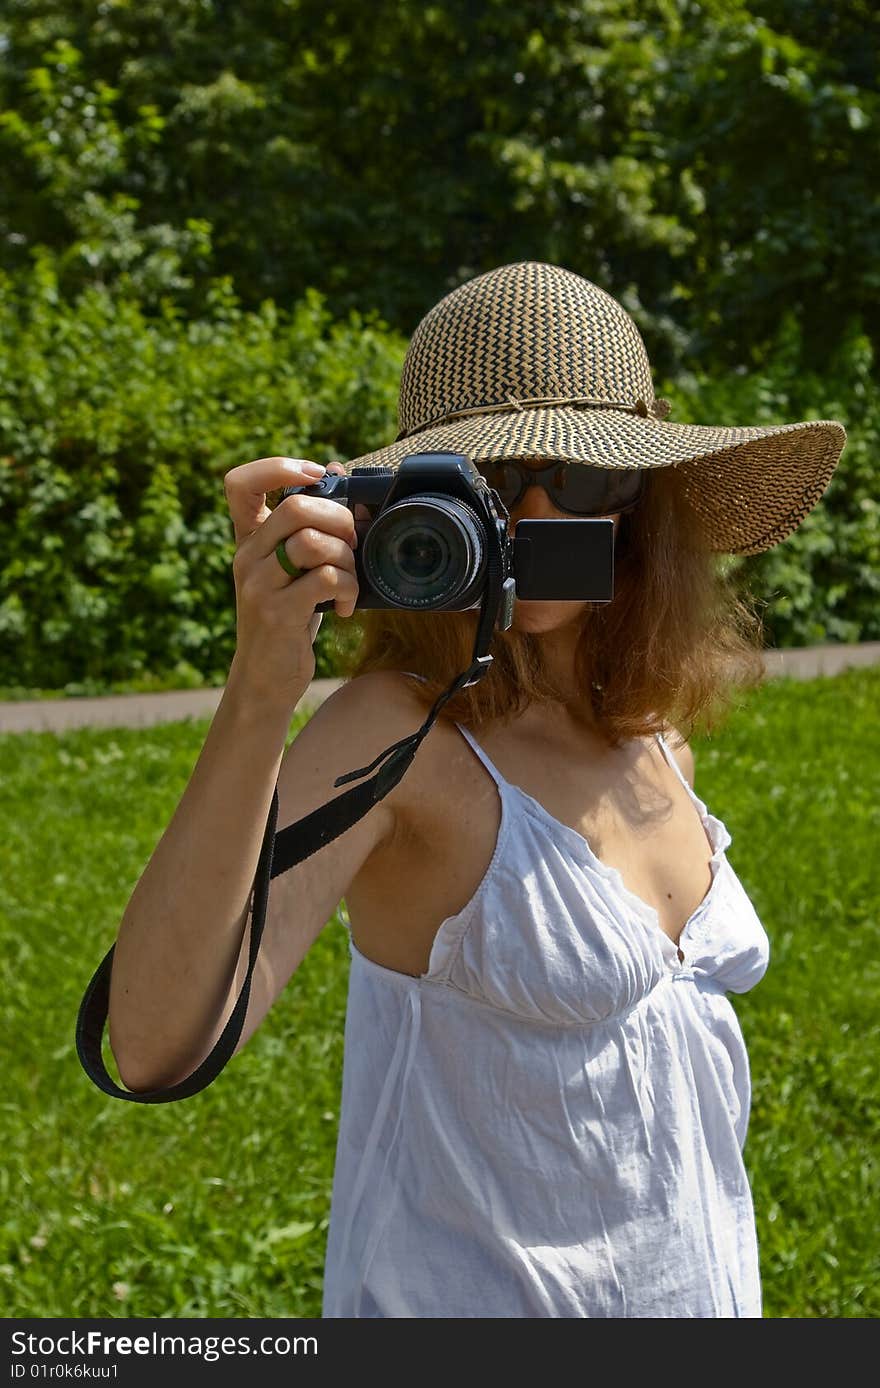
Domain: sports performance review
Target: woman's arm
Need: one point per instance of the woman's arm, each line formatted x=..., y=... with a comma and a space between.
x=181, y=954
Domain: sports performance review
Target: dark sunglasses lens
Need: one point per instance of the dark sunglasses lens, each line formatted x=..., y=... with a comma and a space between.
x=505, y=479
x=575, y=487
x=597, y=489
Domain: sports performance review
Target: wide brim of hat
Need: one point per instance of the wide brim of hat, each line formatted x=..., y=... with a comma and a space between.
x=749, y=487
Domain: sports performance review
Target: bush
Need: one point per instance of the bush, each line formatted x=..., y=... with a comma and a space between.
x=115, y=433
x=116, y=429
x=822, y=584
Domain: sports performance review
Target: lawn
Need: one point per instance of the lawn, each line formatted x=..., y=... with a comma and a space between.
x=218, y=1205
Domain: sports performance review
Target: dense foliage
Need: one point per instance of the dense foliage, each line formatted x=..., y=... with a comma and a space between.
x=116, y=430
x=219, y=225
x=710, y=164
x=115, y=434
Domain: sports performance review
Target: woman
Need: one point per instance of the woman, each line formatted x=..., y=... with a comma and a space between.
x=545, y=1090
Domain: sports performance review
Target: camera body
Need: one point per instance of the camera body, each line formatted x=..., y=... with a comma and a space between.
x=423, y=533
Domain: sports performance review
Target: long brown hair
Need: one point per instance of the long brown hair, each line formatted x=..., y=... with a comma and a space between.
x=672, y=648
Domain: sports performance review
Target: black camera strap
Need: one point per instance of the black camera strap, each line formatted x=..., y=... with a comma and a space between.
x=282, y=851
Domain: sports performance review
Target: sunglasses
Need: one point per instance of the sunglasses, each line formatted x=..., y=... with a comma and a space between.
x=577, y=488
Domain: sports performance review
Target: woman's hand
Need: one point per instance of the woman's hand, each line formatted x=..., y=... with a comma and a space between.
x=276, y=622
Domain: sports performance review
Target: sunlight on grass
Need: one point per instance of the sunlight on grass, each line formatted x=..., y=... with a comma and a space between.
x=218, y=1205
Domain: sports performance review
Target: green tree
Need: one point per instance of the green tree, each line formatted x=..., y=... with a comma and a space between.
x=710, y=165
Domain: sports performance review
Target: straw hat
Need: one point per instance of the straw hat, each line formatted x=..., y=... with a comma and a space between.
x=533, y=361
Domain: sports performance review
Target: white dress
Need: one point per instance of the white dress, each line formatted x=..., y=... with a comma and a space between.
x=550, y=1120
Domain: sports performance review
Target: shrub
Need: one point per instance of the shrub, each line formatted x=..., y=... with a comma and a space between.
x=822, y=584
x=115, y=433
x=117, y=427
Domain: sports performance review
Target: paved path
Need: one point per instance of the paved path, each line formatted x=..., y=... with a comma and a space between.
x=140, y=710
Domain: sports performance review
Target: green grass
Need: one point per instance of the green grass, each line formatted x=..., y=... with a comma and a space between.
x=218, y=1205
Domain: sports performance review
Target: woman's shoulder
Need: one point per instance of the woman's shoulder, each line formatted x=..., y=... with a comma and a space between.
x=375, y=710
x=385, y=707
x=381, y=694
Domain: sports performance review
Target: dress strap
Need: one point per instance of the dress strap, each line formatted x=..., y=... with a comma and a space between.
x=469, y=738
x=716, y=830
x=670, y=758
x=484, y=758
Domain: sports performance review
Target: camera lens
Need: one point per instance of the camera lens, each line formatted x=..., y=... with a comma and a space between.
x=425, y=552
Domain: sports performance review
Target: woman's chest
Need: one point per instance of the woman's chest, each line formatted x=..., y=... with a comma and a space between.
x=629, y=812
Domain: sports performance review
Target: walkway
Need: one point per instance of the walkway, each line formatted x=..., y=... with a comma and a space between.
x=140, y=710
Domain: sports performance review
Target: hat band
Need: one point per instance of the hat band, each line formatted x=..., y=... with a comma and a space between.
x=658, y=409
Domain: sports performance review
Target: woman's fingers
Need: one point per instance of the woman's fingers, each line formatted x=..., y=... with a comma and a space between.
x=246, y=487
x=299, y=512
x=308, y=549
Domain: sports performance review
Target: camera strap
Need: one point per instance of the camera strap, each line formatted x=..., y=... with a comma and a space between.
x=282, y=851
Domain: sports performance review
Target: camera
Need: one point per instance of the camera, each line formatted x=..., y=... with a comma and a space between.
x=423, y=533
